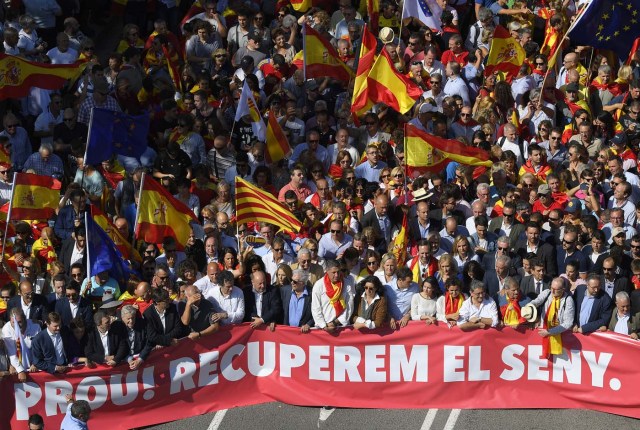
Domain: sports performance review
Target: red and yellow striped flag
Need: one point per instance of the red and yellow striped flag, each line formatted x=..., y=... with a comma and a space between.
x=506, y=54
x=399, y=248
x=172, y=65
x=387, y=85
x=161, y=215
x=373, y=10
x=321, y=58
x=425, y=152
x=126, y=249
x=360, y=102
x=34, y=196
x=302, y=5
x=256, y=205
x=19, y=75
x=551, y=44
x=277, y=146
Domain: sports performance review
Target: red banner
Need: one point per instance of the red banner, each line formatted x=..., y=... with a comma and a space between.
x=416, y=367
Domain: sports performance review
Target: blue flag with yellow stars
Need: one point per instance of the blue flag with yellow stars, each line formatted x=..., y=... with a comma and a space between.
x=104, y=255
x=608, y=24
x=115, y=133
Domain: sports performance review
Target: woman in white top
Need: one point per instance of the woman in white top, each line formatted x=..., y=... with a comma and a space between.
x=462, y=252
x=423, y=304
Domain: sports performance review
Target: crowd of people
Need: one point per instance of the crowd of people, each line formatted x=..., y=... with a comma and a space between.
x=546, y=237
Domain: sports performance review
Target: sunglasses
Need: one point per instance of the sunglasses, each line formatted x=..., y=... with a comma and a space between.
x=335, y=231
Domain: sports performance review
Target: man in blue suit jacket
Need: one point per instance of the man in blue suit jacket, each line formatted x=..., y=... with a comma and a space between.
x=47, y=347
x=593, y=306
x=73, y=302
x=296, y=302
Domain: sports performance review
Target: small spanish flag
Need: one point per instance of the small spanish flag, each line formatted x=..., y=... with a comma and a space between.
x=34, y=196
x=506, y=54
x=277, y=146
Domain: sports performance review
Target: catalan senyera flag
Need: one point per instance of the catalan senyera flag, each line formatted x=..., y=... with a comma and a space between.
x=126, y=249
x=385, y=84
x=506, y=55
x=400, y=242
x=34, y=196
x=161, y=215
x=19, y=75
x=321, y=58
x=256, y=205
x=247, y=106
x=277, y=146
x=360, y=102
x=425, y=152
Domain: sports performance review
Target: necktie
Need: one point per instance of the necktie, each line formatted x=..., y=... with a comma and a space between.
x=538, y=287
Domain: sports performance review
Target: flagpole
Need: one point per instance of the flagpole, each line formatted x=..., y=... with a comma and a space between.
x=135, y=226
x=86, y=229
x=304, y=51
x=86, y=148
x=6, y=227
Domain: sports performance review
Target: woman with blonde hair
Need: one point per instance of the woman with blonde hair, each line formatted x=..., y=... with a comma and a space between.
x=43, y=248
x=388, y=267
x=312, y=246
x=396, y=184
x=447, y=269
x=462, y=251
x=283, y=275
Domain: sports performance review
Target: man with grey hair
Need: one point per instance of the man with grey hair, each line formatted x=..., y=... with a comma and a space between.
x=45, y=162
x=196, y=314
x=510, y=142
x=556, y=310
x=136, y=329
x=603, y=96
x=296, y=302
x=479, y=310
x=494, y=280
x=510, y=302
x=622, y=321
x=227, y=299
x=17, y=335
x=314, y=271
x=478, y=207
x=329, y=314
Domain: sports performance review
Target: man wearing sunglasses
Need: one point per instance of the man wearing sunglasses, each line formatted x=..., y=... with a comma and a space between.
x=19, y=144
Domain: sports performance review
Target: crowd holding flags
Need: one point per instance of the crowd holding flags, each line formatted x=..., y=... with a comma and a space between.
x=361, y=102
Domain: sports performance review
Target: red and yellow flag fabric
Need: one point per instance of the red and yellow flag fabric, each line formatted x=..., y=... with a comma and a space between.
x=126, y=249
x=550, y=45
x=506, y=55
x=387, y=85
x=256, y=205
x=302, y=5
x=400, y=242
x=373, y=10
x=161, y=215
x=321, y=58
x=425, y=152
x=4, y=212
x=277, y=146
x=5, y=157
x=17, y=76
x=172, y=65
x=34, y=196
x=360, y=102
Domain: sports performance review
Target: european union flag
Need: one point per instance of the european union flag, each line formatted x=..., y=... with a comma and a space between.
x=116, y=133
x=104, y=255
x=608, y=24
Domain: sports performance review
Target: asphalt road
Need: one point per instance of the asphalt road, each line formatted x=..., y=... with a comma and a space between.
x=278, y=416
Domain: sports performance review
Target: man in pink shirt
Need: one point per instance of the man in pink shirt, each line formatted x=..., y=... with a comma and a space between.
x=297, y=185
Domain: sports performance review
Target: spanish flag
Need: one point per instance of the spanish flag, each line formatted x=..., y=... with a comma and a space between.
x=399, y=247
x=5, y=157
x=34, y=196
x=4, y=212
x=126, y=249
x=174, y=69
x=550, y=45
x=19, y=75
x=301, y=5
x=321, y=58
x=161, y=215
x=387, y=85
x=256, y=205
x=506, y=54
x=425, y=152
x=360, y=102
x=373, y=10
x=277, y=146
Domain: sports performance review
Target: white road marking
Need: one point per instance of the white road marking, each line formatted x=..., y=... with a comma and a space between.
x=453, y=418
x=428, y=420
x=217, y=419
x=324, y=415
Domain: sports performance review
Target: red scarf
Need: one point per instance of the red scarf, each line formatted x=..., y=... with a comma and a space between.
x=334, y=292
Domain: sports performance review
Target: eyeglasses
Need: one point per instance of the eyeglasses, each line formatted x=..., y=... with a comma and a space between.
x=350, y=178
x=76, y=275
x=295, y=282
x=400, y=175
x=259, y=18
x=335, y=231
x=506, y=215
x=635, y=246
x=464, y=114
x=277, y=249
x=411, y=43
x=26, y=268
x=163, y=278
x=634, y=112
x=435, y=82
x=372, y=263
x=554, y=138
x=314, y=141
x=2, y=172
x=91, y=48
x=72, y=296
x=243, y=231
x=554, y=219
x=503, y=248
x=369, y=288
x=608, y=269
x=539, y=64
x=569, y=242
x=383, y=177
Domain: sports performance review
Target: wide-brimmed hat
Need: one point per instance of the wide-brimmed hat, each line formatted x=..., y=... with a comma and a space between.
x=386, y=35
x=108, y=301
x=529, y=313
x=421, y=194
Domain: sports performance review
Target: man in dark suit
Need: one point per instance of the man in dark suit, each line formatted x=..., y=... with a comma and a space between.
x=593, y=306
x=262, y=303
x=73, y=249
x=296, y=302
x=502, y=248
x=420, y=227
x=72, y=306
x=34, y=305
x=569, y=251
x=47, y=347
x=494, y=279
x=117, y=347
x=139, y=347
x=612, y=283
x=379, y=220
x=168, y=333
x=58, y=283
x=506, y=225
x=622, y=320
x=545, y=252
x=532, y=286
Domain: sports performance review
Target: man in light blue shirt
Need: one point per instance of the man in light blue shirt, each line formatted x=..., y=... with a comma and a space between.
x=370, y=170
x=335, y=242
x=78, y=413
x=399, y=293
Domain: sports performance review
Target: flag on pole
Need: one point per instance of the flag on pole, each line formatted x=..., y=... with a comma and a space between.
x=506, y=55
x=172, y=65
x=256, y=205
x=124, y=246
x=34, y=196
x=427, y=11
x=247, y=106
x=321, y=58
x=373, y=10
x=360, y=102
x=103, y=254
x=387, y=85
x=161, y=215
x=302, y=5
x=399, y=248
x=277, y=146
x=113, y=132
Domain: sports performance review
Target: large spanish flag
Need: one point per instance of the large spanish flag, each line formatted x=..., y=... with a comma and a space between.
x=321, y=58
x=19, y=75
x=506, y=54
x=360, y=102
x=426, y=152
x=277, y=146
x=34, y=196
x=256, y=205
x=161, y=215
x=387, y=85
x=125, y=247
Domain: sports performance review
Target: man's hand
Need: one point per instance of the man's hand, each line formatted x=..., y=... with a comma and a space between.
x=109, y=357
x=257, y=322
x=330, y=327
x=544, y=333
x=61, y=369
x=194, y=335
x=134, y=364
x=392, y=323
x=91, y=364
x=634, y=336
x=111, y=363
x=193, y=298
x=359, y=325
x=272, y=326
x=219, y=317
x=174, y=341
x=305, y=328
x=22, y=376
x=68, y=397
x=602, y=328
x=33, y=368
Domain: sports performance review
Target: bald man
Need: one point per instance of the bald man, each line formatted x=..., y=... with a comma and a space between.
x=381, y=223
x=207, y=284
x=262, y=302
x=196, y=314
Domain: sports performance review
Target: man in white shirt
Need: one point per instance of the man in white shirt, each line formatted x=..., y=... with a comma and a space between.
x=228, y=300
x=478, y=311
x=17, y=335
x=510, y=143
x=62, y=53
x=327, y=315
x=208, y=284
x=48, y=119
x=622, y=321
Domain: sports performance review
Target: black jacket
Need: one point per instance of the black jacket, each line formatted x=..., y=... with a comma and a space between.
x=271, y=305
x=118, y=346
x=174, y=329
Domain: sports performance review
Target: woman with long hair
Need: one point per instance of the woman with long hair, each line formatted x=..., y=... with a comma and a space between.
x=370, y=308
x=423, y=304
x=449, y=304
